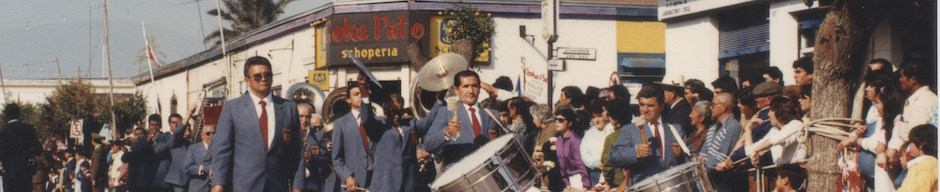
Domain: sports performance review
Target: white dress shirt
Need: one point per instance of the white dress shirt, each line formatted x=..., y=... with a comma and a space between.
x=269, y=108
x=918, y=110
x=662, y=134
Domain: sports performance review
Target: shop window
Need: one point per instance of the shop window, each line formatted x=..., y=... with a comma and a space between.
x=641, y=67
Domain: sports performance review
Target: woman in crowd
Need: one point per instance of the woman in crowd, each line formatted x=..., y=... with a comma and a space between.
x=593, y=143
x=544, y=157
x=568, y=149
x=785, y=119
x=887, y=104
x=746, y=105
x=701, y=119
x=522, y=122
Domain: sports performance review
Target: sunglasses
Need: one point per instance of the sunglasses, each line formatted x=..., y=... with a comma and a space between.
x=209, y=133
x=559, y=120
x=257, y=77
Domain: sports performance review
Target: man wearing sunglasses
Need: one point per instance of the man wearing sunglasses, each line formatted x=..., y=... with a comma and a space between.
x=316, y=158
x=257, y=145
x=197, y=161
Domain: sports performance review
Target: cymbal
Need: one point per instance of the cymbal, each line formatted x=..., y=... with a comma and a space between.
x=438, y=74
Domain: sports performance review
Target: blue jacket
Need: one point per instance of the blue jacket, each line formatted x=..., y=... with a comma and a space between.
x=319, y=164
x=141, y=163
x=454, y=150
x=240, y=160
x=197, y=155
x=349, y=156
x=397, y=152
x=623, y=154
x=757, y=133
x=178, y=145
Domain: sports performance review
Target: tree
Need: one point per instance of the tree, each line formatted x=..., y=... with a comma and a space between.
x=30, y=113
x=246, y=15
x=141, y=57
x=130, y=109
x=842, y=44
x=73, y=100
x=470, y=26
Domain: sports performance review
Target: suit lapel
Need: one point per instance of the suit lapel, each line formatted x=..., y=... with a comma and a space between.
x=278, y=122
x=251, y=116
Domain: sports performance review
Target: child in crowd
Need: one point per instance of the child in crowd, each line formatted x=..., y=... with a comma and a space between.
x=791, y=177
x=922, y=168
x=85, y=177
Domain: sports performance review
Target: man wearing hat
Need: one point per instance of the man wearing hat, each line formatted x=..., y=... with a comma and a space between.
x=677, y=109
x=99, y=168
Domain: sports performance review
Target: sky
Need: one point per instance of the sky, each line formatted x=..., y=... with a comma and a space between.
x=33, y=33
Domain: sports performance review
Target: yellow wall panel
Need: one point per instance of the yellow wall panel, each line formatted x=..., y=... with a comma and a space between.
x=641, y=37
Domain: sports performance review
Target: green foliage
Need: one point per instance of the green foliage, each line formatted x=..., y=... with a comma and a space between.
x=29, y=113
x=129, y=109
x=73, y=100
x=246, y=15
x=469, y=24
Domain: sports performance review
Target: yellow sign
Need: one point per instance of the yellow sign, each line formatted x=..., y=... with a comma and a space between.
x=322, y=39
x=320, y=78
x=441, y=45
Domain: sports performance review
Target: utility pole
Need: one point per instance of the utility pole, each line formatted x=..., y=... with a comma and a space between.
x=107, y=61
x=57, y=70
x=218, y=9
x=4, y=86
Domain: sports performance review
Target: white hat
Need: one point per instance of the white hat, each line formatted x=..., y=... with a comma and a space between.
x=673, y=80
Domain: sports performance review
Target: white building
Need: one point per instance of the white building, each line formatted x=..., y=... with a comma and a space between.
x=626, y=40
x=36, y=90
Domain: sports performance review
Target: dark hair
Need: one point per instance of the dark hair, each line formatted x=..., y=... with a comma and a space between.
x=11, y=111
x=753, y=77
x=784, y=109
x=880, y=60
x=597, y=106
x=620, y=91
x=393, y=98
x=619, y=111
x=576, y=124
x=806, y=63
x=726, y=84
x=880, y=78
x=746, y=97
x=465, y=74
x=698, y=86
x=349, y=86
x=893, y=100
x=806, y=90
x=156, y=118
x=793, y=172
x=177, y=115
x=651, y=91
x=141, y=129
x=918, y=69
x=522, y=108
x=575, y=94
x=774, y=73
x=256, y=60
x=591, y=93
x=925, y=137
x=84, y=164
x=504, y=83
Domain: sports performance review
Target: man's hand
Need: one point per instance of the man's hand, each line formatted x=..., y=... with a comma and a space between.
x=724, y=165
x=422, y=154
x=307, y=156
x=94, y=183
x=755, y=159
x=218, y=188
x=453, y=127
x=754, y=122
x=643, y=150
x=363, y=84
x=329, y=146
x=351, y=183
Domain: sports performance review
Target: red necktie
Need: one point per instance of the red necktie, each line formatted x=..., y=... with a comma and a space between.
x=399, y=130
x=365, y=139
x=658, y=139
x=264, y=124
x=476, y=124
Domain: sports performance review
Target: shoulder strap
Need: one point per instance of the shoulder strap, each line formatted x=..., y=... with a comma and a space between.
x=676, y=135
x=494, y=118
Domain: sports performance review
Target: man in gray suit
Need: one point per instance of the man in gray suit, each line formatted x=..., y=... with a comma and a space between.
x=316, y=158
x=169, y=147
x=475, y=126
x=653, y=149
x=354, y=140
x=198, y=160
x=720, y=142
x=179, y=143
x=398, y=150
x=257, y=145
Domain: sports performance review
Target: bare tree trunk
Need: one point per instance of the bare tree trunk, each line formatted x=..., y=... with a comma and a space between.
x=842, y=43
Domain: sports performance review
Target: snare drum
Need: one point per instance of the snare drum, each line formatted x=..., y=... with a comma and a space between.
x=500, y=165
x=691, y=177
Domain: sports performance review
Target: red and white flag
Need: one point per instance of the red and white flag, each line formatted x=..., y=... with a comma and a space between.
x=150, y=53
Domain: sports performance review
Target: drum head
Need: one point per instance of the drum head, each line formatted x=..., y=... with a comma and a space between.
x=472, y=161
x=665, y=177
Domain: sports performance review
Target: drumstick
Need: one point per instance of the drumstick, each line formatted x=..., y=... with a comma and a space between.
x=357, y=188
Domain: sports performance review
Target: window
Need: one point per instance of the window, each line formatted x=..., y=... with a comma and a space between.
x=641, y=67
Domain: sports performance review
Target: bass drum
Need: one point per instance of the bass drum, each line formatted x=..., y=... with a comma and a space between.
x=500, y=165
x=688, y=177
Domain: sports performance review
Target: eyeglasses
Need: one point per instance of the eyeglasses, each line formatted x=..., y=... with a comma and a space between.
x=318, y=127
x=257, y=77
x=559, y=120
x=209, y=133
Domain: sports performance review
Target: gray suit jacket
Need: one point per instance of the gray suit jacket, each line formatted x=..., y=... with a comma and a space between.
x=454, y=150
x=398, y=154
x=348, y=154
x=239, y=158
x=623, y=154
x=196, y=156
x=175, y=174
x=169, y=147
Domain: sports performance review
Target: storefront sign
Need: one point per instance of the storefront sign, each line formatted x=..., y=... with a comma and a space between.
x=375, y=38
x=577, y=53
x=556, y=65
x=320, y=78
x=440, y=44
x=535, y=84
x=676, y=8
